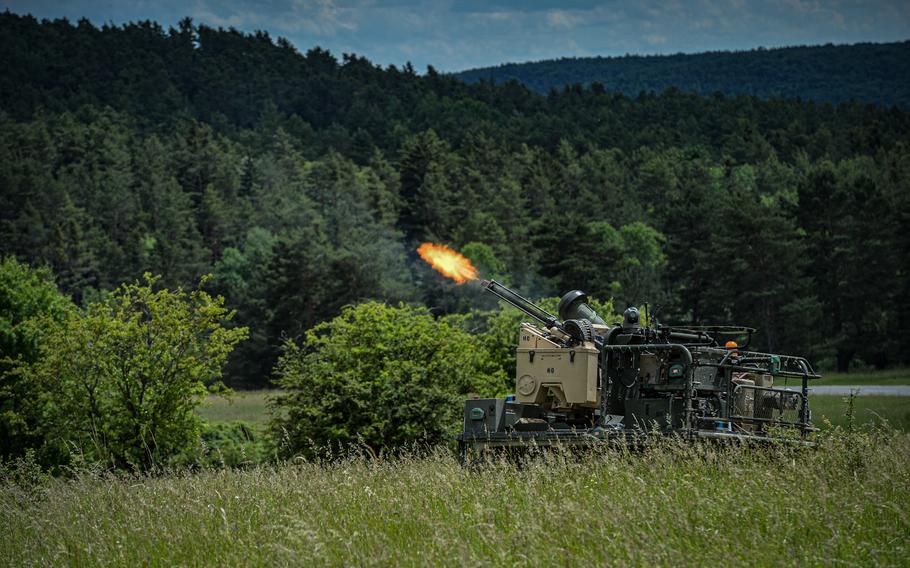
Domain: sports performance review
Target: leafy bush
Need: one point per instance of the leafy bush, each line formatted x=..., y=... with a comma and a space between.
x=121, y=380
x=377, y=374
x=27, y=296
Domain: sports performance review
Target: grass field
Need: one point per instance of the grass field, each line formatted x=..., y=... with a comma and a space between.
x=844, y=503
x=880, y=378
x=250, y=407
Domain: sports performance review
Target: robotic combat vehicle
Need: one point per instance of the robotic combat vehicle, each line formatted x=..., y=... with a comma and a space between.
x=580, y=381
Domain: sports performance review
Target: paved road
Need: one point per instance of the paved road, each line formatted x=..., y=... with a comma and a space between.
x=898, y=390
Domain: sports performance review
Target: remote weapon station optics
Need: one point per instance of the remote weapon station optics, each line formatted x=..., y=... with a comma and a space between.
x=580, y=380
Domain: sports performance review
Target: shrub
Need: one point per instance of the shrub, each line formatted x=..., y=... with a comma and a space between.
x=377, y=374
x=28, y=296
x=121, y=380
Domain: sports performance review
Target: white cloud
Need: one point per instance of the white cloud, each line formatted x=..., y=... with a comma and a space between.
x=563, y=19
x=655, y=39
x=499, y=16
x=323, y=17
x=318, y=17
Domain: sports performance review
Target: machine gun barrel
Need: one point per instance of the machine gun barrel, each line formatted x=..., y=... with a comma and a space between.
x=523, y=304
x=689, y=337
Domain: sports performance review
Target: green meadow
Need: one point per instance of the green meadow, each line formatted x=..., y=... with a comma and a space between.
x=844, y=502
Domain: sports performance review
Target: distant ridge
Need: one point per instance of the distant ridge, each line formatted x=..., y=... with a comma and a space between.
x=870, y=72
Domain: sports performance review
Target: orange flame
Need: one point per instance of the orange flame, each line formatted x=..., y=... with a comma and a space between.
x=449, y=263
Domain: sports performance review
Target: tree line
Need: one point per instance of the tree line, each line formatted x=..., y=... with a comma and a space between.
x=871, y=72
x=303, y=184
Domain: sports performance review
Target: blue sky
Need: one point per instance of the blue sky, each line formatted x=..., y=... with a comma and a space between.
x=455, y=35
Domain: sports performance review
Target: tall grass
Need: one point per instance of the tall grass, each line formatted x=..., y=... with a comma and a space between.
x=895, y=410
x=845, y=502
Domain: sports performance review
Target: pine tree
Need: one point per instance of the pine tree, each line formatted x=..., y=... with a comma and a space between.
x=72, y=258
x=430, y=202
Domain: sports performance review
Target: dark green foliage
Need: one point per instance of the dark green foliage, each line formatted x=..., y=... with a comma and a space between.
x=758, y=254
x=873, y=72
x=238, y=276
x=430, y=200
x=237, y=82
x=378, y=375
x=856, y=232
x=304, y=183
x=625, y=264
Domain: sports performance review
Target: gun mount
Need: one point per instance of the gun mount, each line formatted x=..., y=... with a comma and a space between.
x=580, y=381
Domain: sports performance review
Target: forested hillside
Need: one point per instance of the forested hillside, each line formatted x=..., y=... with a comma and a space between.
x=868, y=72
x=304, y=183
